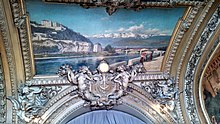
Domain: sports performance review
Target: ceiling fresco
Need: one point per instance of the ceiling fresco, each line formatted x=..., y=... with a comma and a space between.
x=84, y=37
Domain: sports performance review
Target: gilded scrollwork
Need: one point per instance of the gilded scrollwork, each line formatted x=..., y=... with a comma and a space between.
x=32, y=99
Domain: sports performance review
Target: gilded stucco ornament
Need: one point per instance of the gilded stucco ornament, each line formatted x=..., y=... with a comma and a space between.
x=101, y=89
x=31, y=100
x=193, y=62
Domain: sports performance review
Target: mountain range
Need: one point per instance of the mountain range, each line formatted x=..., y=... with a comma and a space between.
x=148, y=42
x=50, y=39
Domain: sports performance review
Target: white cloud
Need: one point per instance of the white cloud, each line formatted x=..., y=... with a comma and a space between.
x=134, y=31
x=121, y=29
x=136, y=28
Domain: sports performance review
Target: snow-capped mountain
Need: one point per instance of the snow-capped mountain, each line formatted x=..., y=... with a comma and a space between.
x=121, y=35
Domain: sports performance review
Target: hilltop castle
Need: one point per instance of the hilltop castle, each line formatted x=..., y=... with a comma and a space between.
x=52, y=25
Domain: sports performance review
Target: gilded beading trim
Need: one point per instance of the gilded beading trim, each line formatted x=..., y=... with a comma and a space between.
x=10, y=60
x=21, y=22
x=4, y=30
x=150, y=112
x=185, y=23
x=192, y=65
x=49, y=81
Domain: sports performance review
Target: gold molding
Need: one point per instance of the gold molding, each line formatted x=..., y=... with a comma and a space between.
x=175, y=34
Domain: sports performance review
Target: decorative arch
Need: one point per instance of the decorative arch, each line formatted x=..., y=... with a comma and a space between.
x=57, y=101
x=192, y=63
x=64, y=107
x=192, y=42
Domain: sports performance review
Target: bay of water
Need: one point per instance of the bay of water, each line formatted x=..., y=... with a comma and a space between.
x=51, y=66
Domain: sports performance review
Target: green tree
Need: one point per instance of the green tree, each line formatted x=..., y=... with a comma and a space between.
x=109, y=49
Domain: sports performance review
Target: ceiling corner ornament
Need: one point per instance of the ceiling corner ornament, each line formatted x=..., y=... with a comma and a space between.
x=20, y=21
x=103, y=88
x=2, y=95
x=193, y=62
x=32, y=99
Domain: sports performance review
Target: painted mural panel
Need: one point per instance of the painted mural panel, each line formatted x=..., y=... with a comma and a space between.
x=68, y=33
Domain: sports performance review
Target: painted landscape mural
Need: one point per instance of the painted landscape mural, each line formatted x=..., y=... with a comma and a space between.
x=68, y=33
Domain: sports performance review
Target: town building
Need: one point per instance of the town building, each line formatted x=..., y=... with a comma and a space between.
x=97, y=48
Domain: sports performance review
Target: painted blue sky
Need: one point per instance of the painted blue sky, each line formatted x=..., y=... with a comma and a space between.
x=95, y=21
